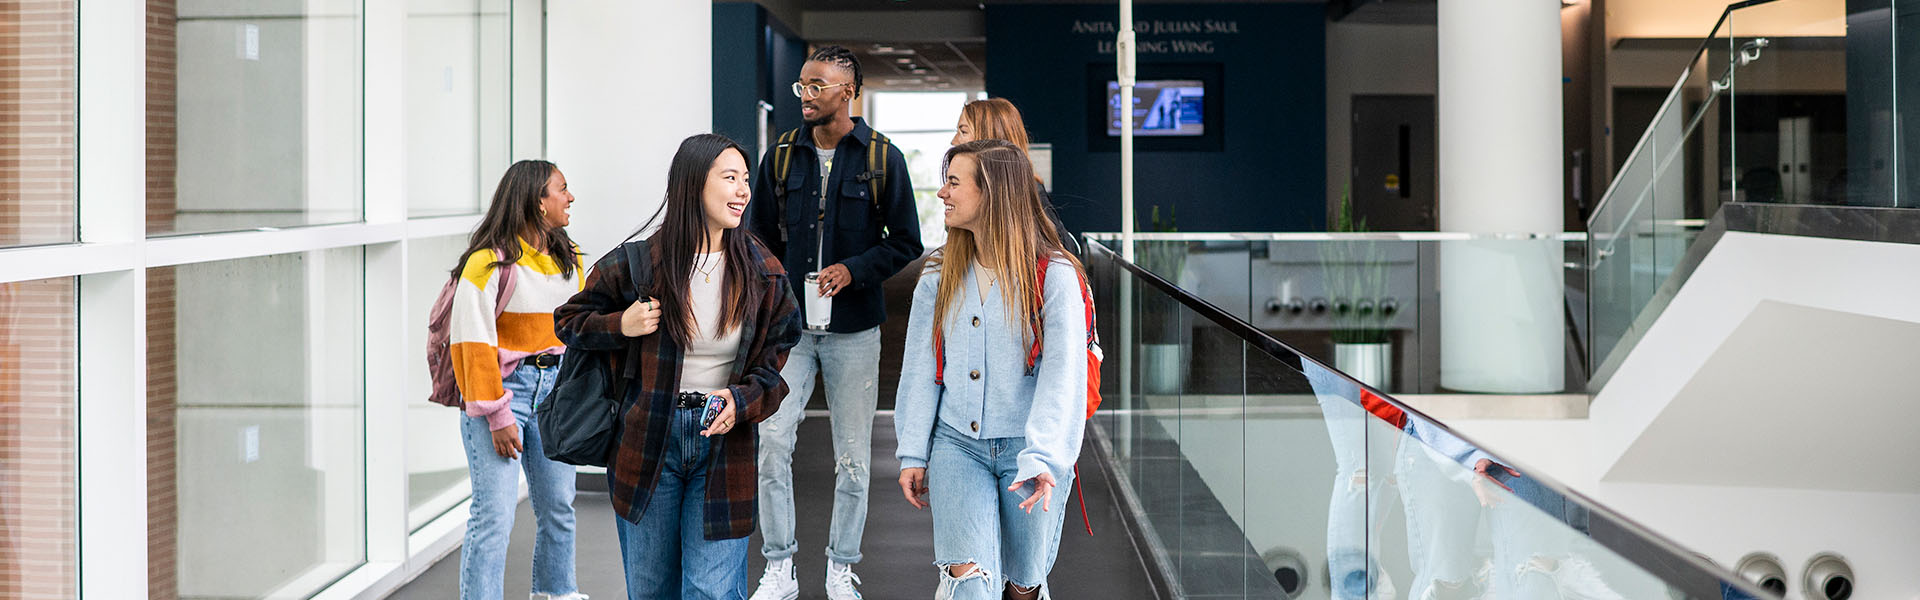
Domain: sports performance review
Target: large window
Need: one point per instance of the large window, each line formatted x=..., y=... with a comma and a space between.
x=921, y=125
x=457, y=101
x=38, y=77
x=37, y=444
x=255, y=413
x=253, y=114
x=436, y=459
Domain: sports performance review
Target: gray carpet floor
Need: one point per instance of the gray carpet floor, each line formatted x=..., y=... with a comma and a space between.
x=898, y=543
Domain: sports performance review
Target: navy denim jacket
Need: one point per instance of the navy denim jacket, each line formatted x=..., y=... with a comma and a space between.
x=871, y=250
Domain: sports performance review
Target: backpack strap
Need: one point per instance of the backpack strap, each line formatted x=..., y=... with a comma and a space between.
x=1038, y=319
x=639, y=274
x=782, y=164
x=507, y=281
x=877, y=173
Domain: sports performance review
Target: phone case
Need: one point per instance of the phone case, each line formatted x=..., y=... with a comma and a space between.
x=712, y=411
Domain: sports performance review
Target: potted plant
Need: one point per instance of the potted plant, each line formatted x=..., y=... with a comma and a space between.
x=1163, y=355
x=1355, y=271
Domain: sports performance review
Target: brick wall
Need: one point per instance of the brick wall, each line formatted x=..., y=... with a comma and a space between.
x=163, y=539
x=38, y=80
x=37, y=442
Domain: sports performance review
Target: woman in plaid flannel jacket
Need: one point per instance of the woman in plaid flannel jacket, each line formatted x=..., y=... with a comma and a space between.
x=716, y=319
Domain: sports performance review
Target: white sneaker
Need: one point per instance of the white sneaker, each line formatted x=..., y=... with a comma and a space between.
x=572, y=596
x=840, y=581
x=779, y=582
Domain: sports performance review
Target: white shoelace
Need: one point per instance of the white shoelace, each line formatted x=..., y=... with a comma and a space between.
x=842, y=582
x=774, y=576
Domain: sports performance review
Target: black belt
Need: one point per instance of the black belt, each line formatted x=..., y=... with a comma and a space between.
x=544, y=361
x=690, y=400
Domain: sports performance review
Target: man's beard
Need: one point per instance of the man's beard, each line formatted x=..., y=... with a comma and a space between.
x=817, y=120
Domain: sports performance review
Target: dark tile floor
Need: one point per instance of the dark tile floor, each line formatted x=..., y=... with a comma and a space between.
x=898, y=545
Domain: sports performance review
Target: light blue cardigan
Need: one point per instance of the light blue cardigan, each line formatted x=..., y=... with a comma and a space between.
x=1048, y=409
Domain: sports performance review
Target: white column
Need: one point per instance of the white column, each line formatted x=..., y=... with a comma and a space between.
x=626, y=82
x=1502, y=324
x=113, y=323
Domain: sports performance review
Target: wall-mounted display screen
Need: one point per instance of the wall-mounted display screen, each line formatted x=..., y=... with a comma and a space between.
x=1171, y=107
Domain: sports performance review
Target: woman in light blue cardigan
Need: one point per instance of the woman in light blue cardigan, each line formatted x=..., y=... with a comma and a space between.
x=990, y=430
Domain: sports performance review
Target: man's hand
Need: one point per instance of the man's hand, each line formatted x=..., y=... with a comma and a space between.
x=834, y=279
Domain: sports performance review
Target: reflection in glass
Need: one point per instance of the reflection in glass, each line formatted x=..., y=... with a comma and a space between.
x=457, y=94
x=37, y=108
x=38, y=467
x=436, y=459
x=255, y=411
x=253, y=114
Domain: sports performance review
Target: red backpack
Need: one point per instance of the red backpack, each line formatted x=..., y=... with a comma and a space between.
x=440, y=334
x=1094, y=356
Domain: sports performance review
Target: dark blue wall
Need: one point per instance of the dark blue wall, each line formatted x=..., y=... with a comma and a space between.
x=1270, y=175
x=754, y=58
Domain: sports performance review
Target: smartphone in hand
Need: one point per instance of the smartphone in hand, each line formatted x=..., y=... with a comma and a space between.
x=715, y=403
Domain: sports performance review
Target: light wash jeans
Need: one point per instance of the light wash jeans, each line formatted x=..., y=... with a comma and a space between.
x=1359, y=494
x=850, y=363
x=1443, y=519
x=496, y=497
x=666, y=554
x=976, y=520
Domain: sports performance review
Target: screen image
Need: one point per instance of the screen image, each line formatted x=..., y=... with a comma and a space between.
x=1166, y=108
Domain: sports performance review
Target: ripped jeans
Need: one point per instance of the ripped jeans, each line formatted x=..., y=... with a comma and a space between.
x=976, y=520
x=850, y=363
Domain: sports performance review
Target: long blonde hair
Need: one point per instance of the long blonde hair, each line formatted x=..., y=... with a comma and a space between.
x=1016, y=225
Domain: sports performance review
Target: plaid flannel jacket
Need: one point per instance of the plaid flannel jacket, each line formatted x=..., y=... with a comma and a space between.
x=591, y=321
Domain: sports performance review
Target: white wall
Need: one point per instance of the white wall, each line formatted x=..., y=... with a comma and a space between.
x=626, y=81
x=1371, y=59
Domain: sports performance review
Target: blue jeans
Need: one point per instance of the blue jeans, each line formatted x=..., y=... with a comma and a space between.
x=496, y=496
x=666, y=554
x=851, y=365
x=976, y=520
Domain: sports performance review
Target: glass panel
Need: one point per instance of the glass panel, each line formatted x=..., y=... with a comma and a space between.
x=921, y=125
x=253, y=114
x=457, y=93
x=38, y=467
x=1789, y=102
x=38, y=79
x=255, y=446
x=436, y=460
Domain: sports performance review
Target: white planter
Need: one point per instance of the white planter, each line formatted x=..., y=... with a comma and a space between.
x=1372, y=364
x=1163, y=368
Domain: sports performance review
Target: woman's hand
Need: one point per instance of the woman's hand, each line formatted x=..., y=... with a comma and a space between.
x=724, y=421
x=506, y=441
x=1484, y=482
x=642, y=318
x=1042, y=492
x=913, y=485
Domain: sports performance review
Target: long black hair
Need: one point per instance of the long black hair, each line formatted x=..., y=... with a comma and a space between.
x=683, y=233
x=516, y=205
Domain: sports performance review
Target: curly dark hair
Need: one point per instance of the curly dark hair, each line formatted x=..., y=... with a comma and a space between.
x=840, y=56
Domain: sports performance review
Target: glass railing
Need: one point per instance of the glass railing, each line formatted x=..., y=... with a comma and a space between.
x=1367, y=303
x=1255, y=471
x=1785, y=101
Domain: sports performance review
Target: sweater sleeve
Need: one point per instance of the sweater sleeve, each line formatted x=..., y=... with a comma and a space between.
x=918, y=398
x=474, y=342
x=1059, y=413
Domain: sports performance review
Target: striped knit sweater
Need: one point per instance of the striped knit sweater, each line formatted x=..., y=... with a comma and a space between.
x=485, y=351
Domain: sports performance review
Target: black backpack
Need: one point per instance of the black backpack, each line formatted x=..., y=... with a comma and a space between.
x=580, y=420
x=875, y=177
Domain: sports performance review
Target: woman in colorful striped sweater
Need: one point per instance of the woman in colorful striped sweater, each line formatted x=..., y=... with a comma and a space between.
x=506, y=365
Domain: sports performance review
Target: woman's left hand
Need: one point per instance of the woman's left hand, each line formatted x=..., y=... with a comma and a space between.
x=724, y=422
x=1042, y=492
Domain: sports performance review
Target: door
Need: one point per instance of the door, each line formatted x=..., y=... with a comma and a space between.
x=1393, y=185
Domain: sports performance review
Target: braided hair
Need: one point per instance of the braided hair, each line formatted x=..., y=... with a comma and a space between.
x=840, y=56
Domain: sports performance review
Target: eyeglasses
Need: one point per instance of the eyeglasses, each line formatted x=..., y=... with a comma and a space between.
x=812, y=90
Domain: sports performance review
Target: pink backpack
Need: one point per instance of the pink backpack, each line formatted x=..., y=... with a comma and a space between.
x=439, y=334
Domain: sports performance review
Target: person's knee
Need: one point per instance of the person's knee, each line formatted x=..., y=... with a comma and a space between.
x=1017, y=592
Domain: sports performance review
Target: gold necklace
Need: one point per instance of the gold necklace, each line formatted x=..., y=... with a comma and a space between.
x=707, y=272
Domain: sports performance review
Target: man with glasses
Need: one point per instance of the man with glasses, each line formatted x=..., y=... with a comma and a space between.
x=833, y=200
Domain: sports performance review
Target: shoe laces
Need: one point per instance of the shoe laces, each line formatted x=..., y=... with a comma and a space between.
x=841, y=581
x=775, y=575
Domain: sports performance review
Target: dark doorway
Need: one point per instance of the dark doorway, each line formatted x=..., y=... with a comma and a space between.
x=1393, y=185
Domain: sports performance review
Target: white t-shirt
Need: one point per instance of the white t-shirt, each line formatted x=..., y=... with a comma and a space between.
x=708, y=361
